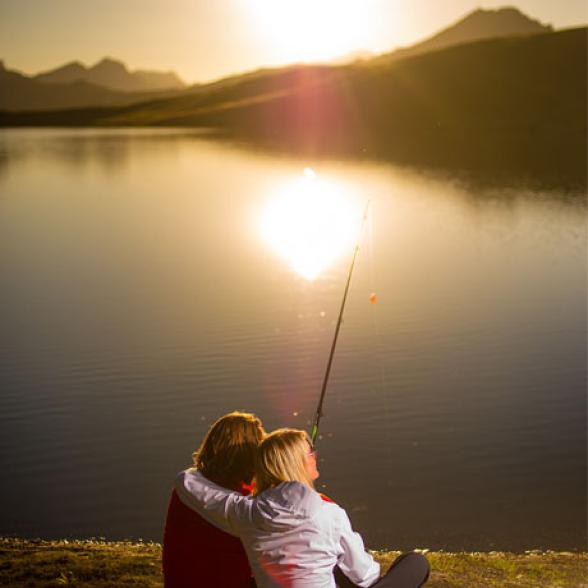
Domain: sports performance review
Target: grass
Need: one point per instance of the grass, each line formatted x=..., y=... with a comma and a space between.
x=96, y=563
x=505, y=570
x=43, y=564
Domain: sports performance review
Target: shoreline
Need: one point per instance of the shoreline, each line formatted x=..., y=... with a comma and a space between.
x=39, y=563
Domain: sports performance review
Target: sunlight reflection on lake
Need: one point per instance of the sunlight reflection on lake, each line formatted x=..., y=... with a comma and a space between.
x=310, y=222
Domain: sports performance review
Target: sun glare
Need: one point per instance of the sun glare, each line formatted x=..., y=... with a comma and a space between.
x=311, y=30
x=310, y=222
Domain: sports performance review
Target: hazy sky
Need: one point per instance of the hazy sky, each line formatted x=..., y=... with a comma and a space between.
x=206, y=39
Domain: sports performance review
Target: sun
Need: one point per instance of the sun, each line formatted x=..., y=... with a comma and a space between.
x=311, y=30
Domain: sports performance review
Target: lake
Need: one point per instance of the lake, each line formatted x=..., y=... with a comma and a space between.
x=152, y=280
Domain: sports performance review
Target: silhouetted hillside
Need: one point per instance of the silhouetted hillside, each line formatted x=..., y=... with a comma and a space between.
x=505, y=103
x=113, y=75
x=353, y=56
x=477, y=26
x=102, y=84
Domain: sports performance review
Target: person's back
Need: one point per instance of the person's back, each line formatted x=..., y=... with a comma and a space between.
x=195, y=552
x=289, y=537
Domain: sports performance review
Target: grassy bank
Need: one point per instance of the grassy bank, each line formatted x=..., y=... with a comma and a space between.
x=43, y=564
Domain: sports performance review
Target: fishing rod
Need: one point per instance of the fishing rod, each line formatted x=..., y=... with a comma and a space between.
x=319, y=410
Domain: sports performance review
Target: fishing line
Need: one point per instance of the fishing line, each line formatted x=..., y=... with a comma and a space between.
x=382, y=366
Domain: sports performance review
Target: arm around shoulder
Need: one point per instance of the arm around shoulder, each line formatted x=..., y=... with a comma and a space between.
x=222, y=507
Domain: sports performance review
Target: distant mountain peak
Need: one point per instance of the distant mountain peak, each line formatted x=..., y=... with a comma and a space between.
x=109, y=62
x=72, y=66
x=477, y=25
x=108, y=59
x=113, y=74
x=505, y=16
x=108, y=65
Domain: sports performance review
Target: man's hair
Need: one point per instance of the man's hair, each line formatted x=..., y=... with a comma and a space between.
x=281, y=457
x=227, y=453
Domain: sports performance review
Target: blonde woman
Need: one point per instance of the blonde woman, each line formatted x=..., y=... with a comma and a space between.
x=292, y=536
x=195, y=553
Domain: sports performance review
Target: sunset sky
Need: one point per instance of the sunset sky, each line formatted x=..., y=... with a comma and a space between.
x=206, y=39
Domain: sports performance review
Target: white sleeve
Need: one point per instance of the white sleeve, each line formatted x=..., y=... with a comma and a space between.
x=355, y=562
x=223, y=508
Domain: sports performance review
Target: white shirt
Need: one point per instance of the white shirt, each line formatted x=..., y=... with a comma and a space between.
x=293, y=538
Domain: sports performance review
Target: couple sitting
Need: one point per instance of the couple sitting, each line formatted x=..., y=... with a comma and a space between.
x=292, y=536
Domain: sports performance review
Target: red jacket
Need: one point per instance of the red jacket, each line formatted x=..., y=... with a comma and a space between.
x=197, y=554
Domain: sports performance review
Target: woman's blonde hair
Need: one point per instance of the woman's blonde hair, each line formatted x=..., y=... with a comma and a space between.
x=227, y=453
x=281, y=457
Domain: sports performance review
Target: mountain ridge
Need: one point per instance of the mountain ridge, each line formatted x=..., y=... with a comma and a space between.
x=21, y=93
x=478, y=25
x=114, y=75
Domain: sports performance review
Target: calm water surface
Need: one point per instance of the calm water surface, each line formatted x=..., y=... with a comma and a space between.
x=153, y=280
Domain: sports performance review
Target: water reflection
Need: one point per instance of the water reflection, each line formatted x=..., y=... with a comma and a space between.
x=137, y=306
x=109, y=150
x=310, y=222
